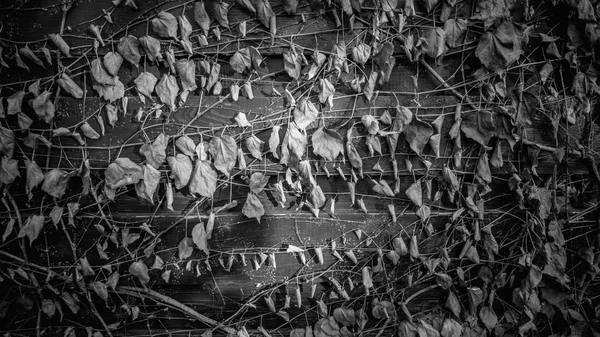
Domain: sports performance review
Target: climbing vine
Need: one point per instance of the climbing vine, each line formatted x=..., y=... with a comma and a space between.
x=517, y=123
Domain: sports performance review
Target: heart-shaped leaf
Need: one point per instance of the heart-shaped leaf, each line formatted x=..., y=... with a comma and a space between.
x=9, y=170
x=204, y=179
x=292, y=63
x=112, y=62
x=264, y=12
x=151, y=47
x=240, y=61
x=327, y=144
x=186, y=69
x=35, y=176
x=200, y=237
x=146, y=187
x=129, y=48
x=220, y=10
x=497, y=50
x=224, y=151
x=155, y=152
x=454, y=29
x=165, y=25
x=145, y=84
x=167, y=90
x=122, y=172
x=305, y=113
x=98, y=72
x=181, y=169
x=201, y=17
x=140, y=270
x=55, y=182
x=253, y=208
x=32, y=228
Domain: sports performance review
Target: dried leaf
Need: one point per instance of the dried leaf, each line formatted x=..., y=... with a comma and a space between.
x=155, y=152
x=361, y=53
x=417, y=133
x=55, y=182
x=187, y=72
x=200, y=238
x=499, y=49
x=253, y=208
x=247, y=5
x=488, y=317
x=145, y=84
x=293, y=146
x=165, y=25
x=186, y=145
x=274, y=141
x=167, y=90
x=213, y=76
x=112, y=62
x=224, y=150
x=454, y=29
x=305, y=113
x=112, y=114
x=415, y=193
x=181, y=169
x=241, y=60
x=9, y=170
x=122, y=172
x=344, y=316
x=151, y=47
x=140, y=270
x=7, y=142
x=254, y=145
x=129, y=48
x=32, y=228
x=369, y=87
x=23, y=121
x=327, y=144
x=292, y=63
x=201, y=17
x=15, y=103
x=70, y=86
x=258, y=181
x=28, y=54
x=326, y=92
x=220, y=10
x=61, y=44
x=204, y=179
x=2, y=62
x=98, y=72
x=264, y=12
x=88, y=131
x=35, y=176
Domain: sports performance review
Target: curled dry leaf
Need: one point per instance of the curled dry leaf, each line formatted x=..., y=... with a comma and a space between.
x=2, y=62
x=292, y=63
x=258, y=181
x=185, y=27
x=181, y=169
x=32, y=228
x=23, y=121
x=35, y=176
x=204, y=179
x=187, y=72
x=417, y=133
x=7, y=142
x=415, y=193
x=200, y=238
x=155, y=152
x=61, y=44
x=433, y=42
x=234, y=89
x=369, y=87
x=293, y=146
x=220, y=10
x=305, y=113
x=122, y=172
x=151, y=47
x=88, y=131
x=253, y=208
x=167, y=90
x=27, y=53
x=112, y=115
x=223, y=150
x=361, y=53
x=213, y=76
x=165, y=25
x=274, y=141
x=9, y=170
x=186, y=145
x=255, y=145
x=201, y=17
x=129, y=48
x=145, y=84
x=146, y=187
x=70, y=86
x=327, y=143
x=98, y=72
x=15, y=103
x=353, y=156
x=326, y=91
x=112, y=62
x=95, y=30
x=140, y=270
x=264, y=12
x=55, y=182
x=241, y=60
